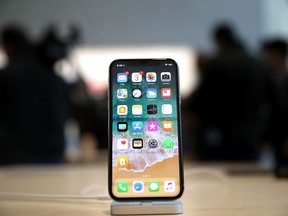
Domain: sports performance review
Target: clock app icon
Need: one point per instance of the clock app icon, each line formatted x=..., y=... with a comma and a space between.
x=137, y=93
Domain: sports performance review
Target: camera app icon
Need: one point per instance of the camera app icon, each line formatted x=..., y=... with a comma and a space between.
x=165, y=76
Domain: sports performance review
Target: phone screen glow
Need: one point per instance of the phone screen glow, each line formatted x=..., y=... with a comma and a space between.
x=145, y=132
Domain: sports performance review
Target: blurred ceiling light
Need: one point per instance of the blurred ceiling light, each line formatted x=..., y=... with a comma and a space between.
x=92, y=63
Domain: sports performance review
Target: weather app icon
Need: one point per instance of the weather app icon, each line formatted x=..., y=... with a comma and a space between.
x=151, y=93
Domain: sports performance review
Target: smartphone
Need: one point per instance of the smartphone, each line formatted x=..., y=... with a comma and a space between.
x=145, y=153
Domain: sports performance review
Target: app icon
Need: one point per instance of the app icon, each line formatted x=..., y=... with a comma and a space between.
x=165, y=76
x=152, y=126
x=136, y=77
x=137, y=127
x=138, y=186
x=137, y=93
x=169, y=186
x=137, y=109
x=122, y=77
x=122, y=126
x=166, y=109
x=154, y=186
x=167, y=125
x=168, y=143
x=152, y=109
x=166, y=92
x=137, y=143
x=151, y=93
x=153, y=143
x=122, y=144
x=122, y=93
x=122, y=186
x=122, y=161
x=122, y=110
x=151, y=77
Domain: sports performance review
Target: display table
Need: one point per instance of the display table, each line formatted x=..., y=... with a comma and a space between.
x=209, y=190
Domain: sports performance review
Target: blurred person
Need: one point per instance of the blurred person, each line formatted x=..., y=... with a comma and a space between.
x=34, y=101
x=90, y=114
x=233, y=86
x=275, y=52
x=92, y=118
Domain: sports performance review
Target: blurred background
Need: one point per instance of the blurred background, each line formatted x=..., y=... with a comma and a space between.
x=54, y=59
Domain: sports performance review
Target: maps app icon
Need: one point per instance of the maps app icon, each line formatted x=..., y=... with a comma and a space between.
x=122, y=93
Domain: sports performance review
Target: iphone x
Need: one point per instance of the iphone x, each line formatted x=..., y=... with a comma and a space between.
x=145, y=154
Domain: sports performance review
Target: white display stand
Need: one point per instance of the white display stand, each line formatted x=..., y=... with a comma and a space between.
x=146, y=207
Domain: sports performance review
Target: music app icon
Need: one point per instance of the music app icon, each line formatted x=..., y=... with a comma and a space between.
x=169, y=186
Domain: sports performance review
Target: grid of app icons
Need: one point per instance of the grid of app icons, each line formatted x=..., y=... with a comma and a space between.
x=151, y=110
x=138, y=110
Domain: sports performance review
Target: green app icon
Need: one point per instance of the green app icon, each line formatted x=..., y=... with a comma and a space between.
x=153, y=186
x=168, y=143
x=122, y=187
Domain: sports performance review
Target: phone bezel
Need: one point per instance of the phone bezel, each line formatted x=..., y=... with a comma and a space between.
x=138, y=62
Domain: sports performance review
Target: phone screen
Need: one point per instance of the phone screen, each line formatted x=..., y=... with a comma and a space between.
x=145, y=134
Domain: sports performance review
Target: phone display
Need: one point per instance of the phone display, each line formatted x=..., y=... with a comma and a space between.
x=144, y=130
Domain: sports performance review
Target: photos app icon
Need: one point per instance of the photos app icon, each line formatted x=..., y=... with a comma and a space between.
x=151, y=77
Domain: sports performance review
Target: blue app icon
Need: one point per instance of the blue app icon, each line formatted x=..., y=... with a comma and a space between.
x=138, y=186
x=137, y=126
x=151, y=92
x=122, y=77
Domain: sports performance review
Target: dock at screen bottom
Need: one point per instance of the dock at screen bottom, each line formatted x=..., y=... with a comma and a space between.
x=146, y=187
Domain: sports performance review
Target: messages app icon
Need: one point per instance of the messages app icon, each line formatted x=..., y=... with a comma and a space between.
x=154, y=186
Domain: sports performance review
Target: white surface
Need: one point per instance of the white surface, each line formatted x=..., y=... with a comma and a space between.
x=146, y=208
